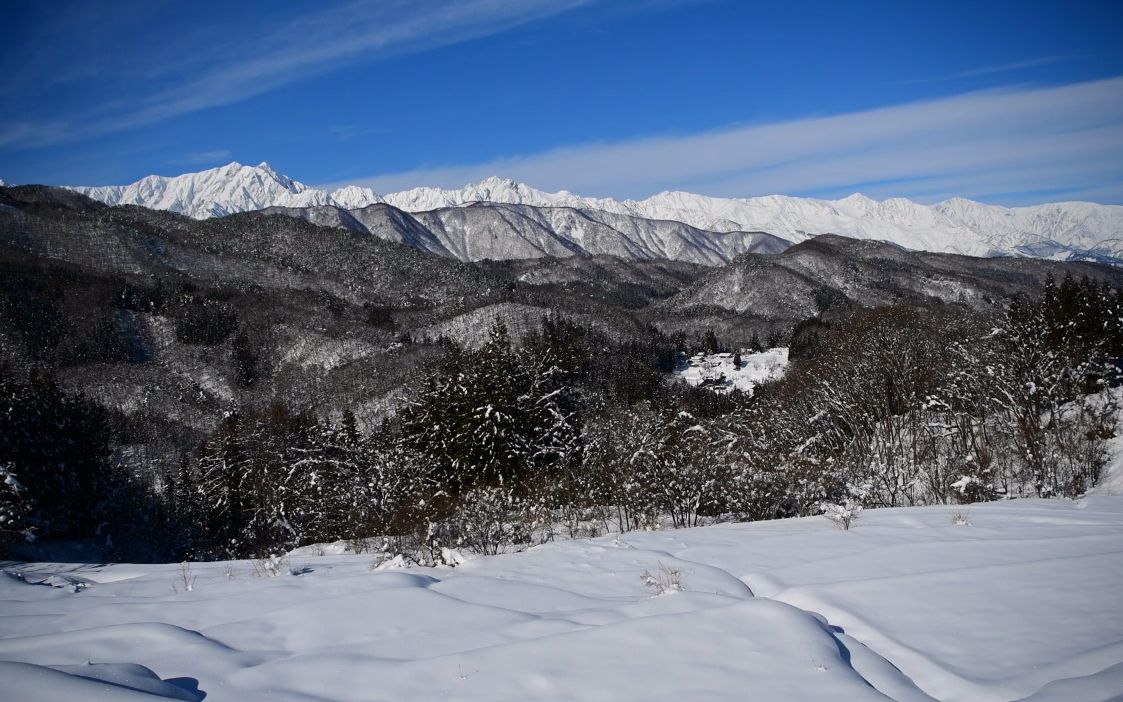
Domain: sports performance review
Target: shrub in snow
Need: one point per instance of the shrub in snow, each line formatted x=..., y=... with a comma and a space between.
x=842, y=515
x=396, y=562
x=483, y=522
x=186, y=577
x=269, y=566
x=663, y=581
x=960, y=518
x=451, y=557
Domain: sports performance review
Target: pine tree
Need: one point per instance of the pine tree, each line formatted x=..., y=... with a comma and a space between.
x=220, y=498
x=711, y=342
x=495, y=417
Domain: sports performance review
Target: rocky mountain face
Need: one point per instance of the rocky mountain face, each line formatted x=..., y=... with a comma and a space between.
x=488, y=231
x=1063, y=231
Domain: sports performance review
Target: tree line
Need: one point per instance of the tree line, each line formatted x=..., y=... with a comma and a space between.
x=573, y=434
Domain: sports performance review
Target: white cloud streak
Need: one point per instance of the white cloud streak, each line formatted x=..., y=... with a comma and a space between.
x=988, y=70
x=1005, y=144
x=306, y=47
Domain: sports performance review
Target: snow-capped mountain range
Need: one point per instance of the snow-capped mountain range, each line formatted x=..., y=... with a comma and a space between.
x=1056, y=230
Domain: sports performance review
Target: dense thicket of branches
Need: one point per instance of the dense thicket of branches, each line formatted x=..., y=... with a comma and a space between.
x=571, y=433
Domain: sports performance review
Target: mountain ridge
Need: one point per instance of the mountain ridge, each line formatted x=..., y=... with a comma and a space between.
x=1062, y=230
x=500, y=231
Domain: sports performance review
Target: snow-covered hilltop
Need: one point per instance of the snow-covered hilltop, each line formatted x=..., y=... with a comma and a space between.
x=1056, y=230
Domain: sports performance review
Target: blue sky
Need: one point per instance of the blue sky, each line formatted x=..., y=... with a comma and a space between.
x=1008, y=102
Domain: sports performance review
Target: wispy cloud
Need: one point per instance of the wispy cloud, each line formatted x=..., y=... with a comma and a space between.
x=196, y=158
x=297, y=50
x=995, y=143
x=992, y=69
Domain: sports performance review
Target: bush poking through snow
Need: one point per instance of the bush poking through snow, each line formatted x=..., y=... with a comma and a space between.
x=842, y=516
x=483, y=522
x=395, y=562
x=269, y=566
x=186, y=577
x=664, y=581
x=960, y=518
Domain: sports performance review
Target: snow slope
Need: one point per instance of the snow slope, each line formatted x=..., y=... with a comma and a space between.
x=1055, y=230
x=1023, y=603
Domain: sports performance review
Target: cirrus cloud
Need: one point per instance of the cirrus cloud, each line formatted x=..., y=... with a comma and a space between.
x=1013, y=145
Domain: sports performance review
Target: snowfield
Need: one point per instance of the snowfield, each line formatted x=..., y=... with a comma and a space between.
x=1024, y=602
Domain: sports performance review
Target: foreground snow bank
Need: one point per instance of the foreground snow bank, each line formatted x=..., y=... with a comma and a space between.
x=906, y=605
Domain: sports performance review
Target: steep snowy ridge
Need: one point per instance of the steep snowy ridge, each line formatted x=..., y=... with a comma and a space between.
x=1055, y=230
x=212, y=193
x=500, y=231
x=353, y=197
x=508, y=232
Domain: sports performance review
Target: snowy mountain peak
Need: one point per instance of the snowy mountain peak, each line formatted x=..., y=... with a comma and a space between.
x=214, y=192
x=857, y=203
x=491, y=189
x=956, y=225
x=497, y=182
x=496, y=188
x=288, y=183
x=354, y=197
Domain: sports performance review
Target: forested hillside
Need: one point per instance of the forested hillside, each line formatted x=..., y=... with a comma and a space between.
x=237, y=385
